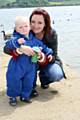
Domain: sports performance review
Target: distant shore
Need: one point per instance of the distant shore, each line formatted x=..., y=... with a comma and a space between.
x=55, y=5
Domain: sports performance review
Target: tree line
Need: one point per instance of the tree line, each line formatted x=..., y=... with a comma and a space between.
x=22, y=3
x=36, y=3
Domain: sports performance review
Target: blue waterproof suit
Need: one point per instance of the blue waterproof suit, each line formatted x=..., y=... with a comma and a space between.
x=21, y=71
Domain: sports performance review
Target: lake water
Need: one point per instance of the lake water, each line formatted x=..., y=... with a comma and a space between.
x=66, y=23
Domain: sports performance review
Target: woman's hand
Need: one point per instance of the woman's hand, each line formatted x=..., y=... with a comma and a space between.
x=27, y=50
x=42, y=57
x=39, y=55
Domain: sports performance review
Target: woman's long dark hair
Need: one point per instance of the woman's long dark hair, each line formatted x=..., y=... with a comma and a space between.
x=46, y=16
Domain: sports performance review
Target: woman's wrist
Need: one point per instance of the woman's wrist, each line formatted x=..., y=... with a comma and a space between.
x=19, y=50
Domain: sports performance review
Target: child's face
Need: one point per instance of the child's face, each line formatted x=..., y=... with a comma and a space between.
x=23, y=28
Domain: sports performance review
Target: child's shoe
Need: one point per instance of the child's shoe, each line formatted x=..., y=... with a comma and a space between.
x=25, y=100
x=34, y=93
x=12, y=101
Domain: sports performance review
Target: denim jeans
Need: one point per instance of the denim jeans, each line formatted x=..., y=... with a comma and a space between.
x=50, y=73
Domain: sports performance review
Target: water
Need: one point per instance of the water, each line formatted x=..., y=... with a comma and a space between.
x=67, y=25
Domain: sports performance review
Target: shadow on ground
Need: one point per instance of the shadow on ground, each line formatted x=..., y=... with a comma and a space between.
x=46, y=94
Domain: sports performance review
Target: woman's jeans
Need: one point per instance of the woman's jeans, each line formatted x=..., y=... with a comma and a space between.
x=53, y=72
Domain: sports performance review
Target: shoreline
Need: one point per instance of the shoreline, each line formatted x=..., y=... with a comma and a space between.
x=65, y=5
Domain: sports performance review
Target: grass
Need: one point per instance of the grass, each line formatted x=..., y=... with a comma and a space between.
x=55, y=3
x=64, y=3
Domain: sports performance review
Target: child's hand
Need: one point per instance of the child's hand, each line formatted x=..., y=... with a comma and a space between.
x=50, y=57
x=21, y=41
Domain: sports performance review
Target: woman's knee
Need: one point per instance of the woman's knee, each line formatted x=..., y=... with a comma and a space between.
x=57, y=76
x=55, y=72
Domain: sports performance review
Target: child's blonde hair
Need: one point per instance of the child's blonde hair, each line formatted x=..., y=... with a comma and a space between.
x=21, y=20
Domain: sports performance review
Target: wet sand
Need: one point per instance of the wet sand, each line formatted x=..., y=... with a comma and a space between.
x=60, y=102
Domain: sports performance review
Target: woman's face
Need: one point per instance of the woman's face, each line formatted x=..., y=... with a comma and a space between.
x=37, y=23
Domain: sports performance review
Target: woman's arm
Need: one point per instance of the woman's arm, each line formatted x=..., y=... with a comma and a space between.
x=6, y=50
x=26, y=49
x=10, y=47
x=51, y=40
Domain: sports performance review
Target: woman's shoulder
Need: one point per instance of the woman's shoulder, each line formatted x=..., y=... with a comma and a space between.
x=52, y=35
x=53, y=32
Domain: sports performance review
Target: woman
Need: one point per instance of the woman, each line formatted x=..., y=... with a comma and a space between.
x=41, y=28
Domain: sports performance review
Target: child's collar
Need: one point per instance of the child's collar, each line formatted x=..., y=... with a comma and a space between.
x=21, y=35
x=27, y=36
